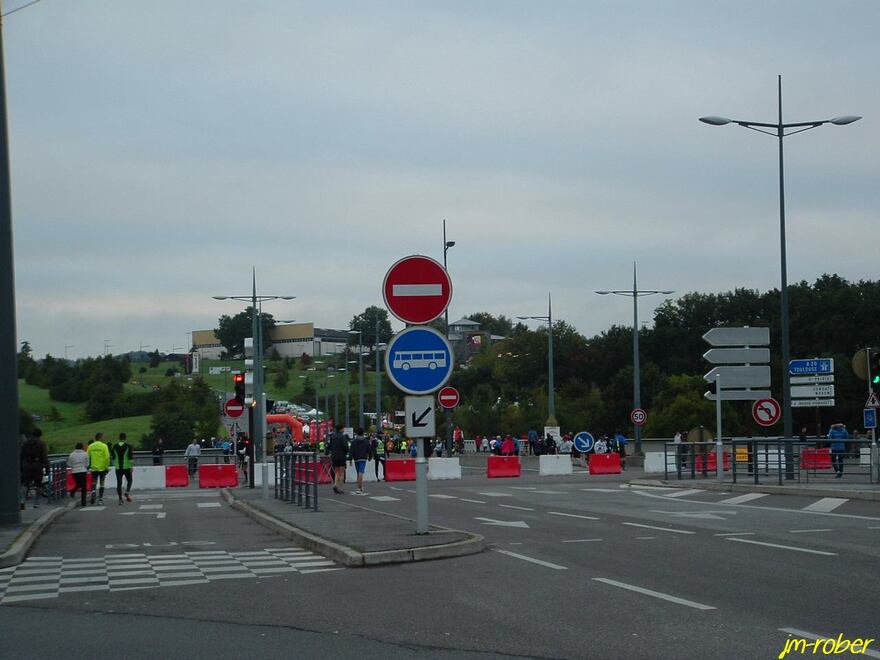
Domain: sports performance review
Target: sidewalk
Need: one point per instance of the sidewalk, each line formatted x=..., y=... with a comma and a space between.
x=16, y=540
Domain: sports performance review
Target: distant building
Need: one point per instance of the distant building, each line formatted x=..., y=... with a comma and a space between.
x=289, y=340
x=467, y=338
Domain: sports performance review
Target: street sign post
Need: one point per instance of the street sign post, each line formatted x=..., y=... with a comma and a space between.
x=638, y=416
x=448, y=398
x=738, y=336
x=766, y=411
x=417, y=289
x=743, y=363
x=811, y=366
x=420, y=417
x=812, y=391
x=583, y=442
x=233, y=408
x=418, y=360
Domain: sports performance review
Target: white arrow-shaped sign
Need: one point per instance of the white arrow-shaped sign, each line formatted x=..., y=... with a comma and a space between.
x=504, y=523
x=758, y=376
x=738, y=337
x=159, y=514
x=737, y=355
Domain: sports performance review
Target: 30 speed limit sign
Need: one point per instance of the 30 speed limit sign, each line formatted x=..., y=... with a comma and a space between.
x=638, y=417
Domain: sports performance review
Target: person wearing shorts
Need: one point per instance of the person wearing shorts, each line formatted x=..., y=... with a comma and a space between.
x=338, y=449
x=360, y=453
x=99, y=464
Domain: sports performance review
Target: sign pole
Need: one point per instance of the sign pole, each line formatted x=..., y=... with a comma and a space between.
x=421, y=487
x=719, y=444
x=875, y=455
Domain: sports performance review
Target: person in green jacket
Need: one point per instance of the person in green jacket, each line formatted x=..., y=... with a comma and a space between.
x=99, y=463
x=121, y=455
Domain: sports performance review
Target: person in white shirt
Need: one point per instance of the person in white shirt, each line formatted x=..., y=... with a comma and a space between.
x=601, y=447
x=192, y=453
x=78, y=462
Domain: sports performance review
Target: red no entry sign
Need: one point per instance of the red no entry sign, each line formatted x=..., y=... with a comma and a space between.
x=417, y=289
x=766, y=411
x=448, y=398
x=233, y=408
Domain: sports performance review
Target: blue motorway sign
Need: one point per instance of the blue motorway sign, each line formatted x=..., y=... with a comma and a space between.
x=583, y=442
x=418, y=360
x=869, y=416
x=811, y=366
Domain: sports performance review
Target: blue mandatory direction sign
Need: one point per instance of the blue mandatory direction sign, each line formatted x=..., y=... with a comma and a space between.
x=811, y=366
x=418, y=360
x=583, y=442
x=869, y=416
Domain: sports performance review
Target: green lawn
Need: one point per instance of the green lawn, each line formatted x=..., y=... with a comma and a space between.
x=37, y=402
x=62, y=441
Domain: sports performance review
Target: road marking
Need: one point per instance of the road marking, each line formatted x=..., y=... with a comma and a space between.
x=645, y=538
x=521, y=508
x=685, y=493
x=86, y=509
x=207, y=505
x=795, y=632
x=600, y=490
x=385, y=498
x=581, y=540
x=148, y=507
x=655, y=594
x=551, y=492
x=869, y=527
x=444, y=497
x=474, y=501
x=539, y=562
x=495, y=494
x=524, y=487
x=784, y=547
x=662, y=529
x=807, y=531
x=826, y=504
x=504, y=523
x=709, y=515
x=735, y=534
x=742, y=499
x=159, y=514
x=571, y=515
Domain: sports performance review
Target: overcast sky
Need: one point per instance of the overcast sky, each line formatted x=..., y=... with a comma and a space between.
x=161, y=149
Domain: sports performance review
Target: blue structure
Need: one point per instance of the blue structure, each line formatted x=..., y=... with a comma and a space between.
x=812, y=366
x=583, y=442
x=419, y=360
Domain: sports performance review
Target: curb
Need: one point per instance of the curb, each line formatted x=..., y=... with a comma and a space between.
x=349, y=556
x=870, y=495
x=29, y=535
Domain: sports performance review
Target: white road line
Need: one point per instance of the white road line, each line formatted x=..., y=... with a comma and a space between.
x=873, y=527
x=600, y=490
x=88, y=509
x=385, y=498
x=783, y=547
x=539, y=562
x=474, y=501
x=571, y=515
x=742, y=499
x=443, y=497
x=153, y=507
x=826, y=504
x=521, y=508
x=685, y=493
x=495, y=494
x=524, y=487
x=662, y=529
x=645, y=538
x=581, y=540
x=735, y=534
x=207, y=505
x=795, y=632
x=655, y=594
x=807, y=531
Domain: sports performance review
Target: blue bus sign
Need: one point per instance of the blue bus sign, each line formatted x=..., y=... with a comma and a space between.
x=869, y=416
x=418, y=360
x=583, y=442
x=812, y=366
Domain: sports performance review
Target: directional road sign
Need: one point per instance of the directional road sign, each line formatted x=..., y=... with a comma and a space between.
x=812, y=391
x=417, y=289
x=448, y=398
x=738, y=337
x=766, y=411
x=638, y=416
x=737, y=355
x=420, y=417
x=740, y=376
x=583, y=442
x=233, y=408
x=812, y=403
x=418, y=360
x=810, y=380
x=812, y=366
x=738, y=395
x=869, y=417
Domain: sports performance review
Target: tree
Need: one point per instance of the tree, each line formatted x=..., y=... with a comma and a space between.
x=500, y=325
x=155, y=359
x=231, y=330
x=282, y=377
x=184, y=413
x=366, y=324
x=54, y=416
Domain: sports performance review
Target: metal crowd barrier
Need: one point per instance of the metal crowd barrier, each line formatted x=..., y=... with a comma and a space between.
x=296, y=478
x=55, y=488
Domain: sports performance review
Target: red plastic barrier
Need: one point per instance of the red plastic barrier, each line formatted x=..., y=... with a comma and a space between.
x=503, y=466
x=816, y=459
x=605, y=463
x=711, y=462
x=304, y=473
x=218, y=476
x=71, y=484
x=176, y=476
x=400, y=469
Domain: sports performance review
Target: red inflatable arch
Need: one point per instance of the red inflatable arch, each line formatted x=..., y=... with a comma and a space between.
x=295, y=426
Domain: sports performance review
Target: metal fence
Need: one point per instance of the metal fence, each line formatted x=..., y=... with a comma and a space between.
x=55, y=486
x=296, y=478
x=172, y=457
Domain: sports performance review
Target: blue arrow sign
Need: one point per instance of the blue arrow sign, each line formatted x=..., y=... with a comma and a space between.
x=583, y=442
x=418, y=360
x=869, y=416
x=812, y=366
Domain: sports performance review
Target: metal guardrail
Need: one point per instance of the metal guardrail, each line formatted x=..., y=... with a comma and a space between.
x=296, y=478
x=55, y=488
x=171, y=457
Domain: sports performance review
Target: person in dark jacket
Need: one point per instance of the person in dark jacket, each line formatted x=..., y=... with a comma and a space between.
x=34, y=462
x=360, y=452
x=338, y=450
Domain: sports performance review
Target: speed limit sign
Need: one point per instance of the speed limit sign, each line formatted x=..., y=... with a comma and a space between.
x=638, y=417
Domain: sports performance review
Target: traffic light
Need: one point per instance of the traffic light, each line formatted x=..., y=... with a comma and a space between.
x=874, y=362
x=238, y=380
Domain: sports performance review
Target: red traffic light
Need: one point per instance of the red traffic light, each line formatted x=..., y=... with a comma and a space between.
x=237, y=378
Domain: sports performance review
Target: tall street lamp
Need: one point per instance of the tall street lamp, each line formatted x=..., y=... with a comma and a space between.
x=781, y=130
x=635, y=292
x=446, y=246
x=259, y=395
x=551, y=395
x=360, y=335
x=378, y=379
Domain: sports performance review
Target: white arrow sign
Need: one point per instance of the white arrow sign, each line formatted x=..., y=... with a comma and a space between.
x=738, y=337
x=159, y=514
x=757, y=376
x=812, y=391
x=504, y=523
x=737, y=355
x=419, y=416
x=738, y=395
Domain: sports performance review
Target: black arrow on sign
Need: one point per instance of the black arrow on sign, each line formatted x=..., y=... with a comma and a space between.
x=417, y=423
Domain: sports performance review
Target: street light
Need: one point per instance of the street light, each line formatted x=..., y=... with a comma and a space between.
x=779, y=131
x=551, y=396
x=259, y=395
x=635, y=292
x=378, y=379
x=360, y=335
x=446, y=246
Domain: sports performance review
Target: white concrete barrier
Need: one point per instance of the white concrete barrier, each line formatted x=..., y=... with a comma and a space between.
x=143, y=477
x=369, y=473
x=552, y=465
x=654, y=462
x=258, y=474
x=444, y=468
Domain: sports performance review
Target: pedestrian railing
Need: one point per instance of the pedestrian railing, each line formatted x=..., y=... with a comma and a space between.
x=55, y=487
x=297, y=475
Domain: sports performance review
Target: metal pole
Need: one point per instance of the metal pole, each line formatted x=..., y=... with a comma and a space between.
x=361, y=378
x=421, y=488
x=336, y=391
x=719, y=444
x=446, y=311
x=786, y=351
x=637, y=383
x=875, y=455
x=347, y=417
x=551, y=394
x=378, y=382
x=9, y=469
x=259, y=394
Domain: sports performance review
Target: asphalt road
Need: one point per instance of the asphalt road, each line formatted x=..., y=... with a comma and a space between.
x=578, y=567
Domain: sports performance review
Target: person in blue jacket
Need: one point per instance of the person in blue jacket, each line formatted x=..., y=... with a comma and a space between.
x=838, y=434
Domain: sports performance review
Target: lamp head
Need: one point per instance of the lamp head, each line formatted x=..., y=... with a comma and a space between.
x=715, y=121
x=843, y=121
x=450, y=244
x=603, y=293
x=219, y=297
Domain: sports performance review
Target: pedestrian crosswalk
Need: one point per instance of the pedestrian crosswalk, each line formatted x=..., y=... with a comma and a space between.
x=48, y=577
x=818, y=505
